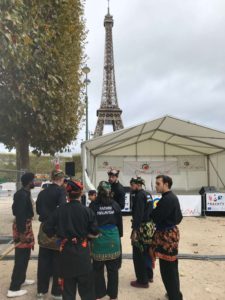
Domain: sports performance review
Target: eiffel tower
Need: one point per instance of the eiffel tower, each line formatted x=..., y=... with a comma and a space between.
x=109, y=112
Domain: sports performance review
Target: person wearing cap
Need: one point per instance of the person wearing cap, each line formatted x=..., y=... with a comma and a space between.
x=141, y=236
x=73, y=223
x=106, y=250
x=92, y=195
x=22, y=209
x=116, y=187
x=47, y=202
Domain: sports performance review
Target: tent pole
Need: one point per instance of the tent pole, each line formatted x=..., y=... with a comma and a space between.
x=208, y=171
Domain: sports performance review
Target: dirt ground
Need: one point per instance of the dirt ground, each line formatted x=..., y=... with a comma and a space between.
x=200, y=280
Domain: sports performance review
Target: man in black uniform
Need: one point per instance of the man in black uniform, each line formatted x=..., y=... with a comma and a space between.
x=73, y=223
x=117, y=188
x=23, y=235
x=118, y=195
x=166, y=216
x=142, y=232
x=47, y=202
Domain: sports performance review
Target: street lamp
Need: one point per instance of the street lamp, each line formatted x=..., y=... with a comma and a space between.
x=86, y=70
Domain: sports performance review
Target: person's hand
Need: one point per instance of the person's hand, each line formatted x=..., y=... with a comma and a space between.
x=91, y=236
x=134, y=236
x=152, y=255
x=23, y=238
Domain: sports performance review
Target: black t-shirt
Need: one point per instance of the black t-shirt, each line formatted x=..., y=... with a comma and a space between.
x=71, y=220
x=48, y=200
x=118, y=194
x=108, y=214
x=168, y=212
x=22, y=208
x=141, y=209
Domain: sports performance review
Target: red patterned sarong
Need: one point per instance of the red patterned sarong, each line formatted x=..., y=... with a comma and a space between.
x=29, y=236
x=165, y=244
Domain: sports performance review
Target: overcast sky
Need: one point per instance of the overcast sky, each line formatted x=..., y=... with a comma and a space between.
x=169, y=59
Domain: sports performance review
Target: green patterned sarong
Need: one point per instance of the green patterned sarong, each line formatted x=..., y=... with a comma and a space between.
x=145, y=235
x=107, y=245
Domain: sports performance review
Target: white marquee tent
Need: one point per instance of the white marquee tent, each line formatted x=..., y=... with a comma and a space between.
x=192, y=154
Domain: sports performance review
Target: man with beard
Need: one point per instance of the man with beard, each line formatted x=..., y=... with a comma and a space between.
x=167, y=215
x=117, y=189
x=118, y=194
x=142, y=232
x=23, y=235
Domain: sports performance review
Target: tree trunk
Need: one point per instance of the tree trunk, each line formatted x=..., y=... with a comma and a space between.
x=22, y=159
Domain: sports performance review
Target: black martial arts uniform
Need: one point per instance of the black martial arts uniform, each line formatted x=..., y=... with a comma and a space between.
x=118, y=193
x=108, y=217
x=48, y=266
x=22, y=209
x=72, y=222
x=141, y=211
x=166, y=216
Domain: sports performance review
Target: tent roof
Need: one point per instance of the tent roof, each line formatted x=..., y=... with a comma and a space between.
x=166, y=132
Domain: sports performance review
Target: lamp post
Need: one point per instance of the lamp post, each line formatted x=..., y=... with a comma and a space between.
x=86, y=70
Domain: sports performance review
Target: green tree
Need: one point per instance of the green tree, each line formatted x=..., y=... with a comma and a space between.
x=41, y=52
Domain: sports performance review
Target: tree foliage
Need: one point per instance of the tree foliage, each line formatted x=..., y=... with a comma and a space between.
x=41, y=52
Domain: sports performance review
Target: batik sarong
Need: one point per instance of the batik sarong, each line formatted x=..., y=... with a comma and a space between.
x=165, y=243
x=28, y=241
x=144, y=235
x=107, y=245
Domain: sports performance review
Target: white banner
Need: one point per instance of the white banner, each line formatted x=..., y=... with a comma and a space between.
x=106, y=163
x=191, y=205
x=134, y=168
x=192, y=162
x=215, y=202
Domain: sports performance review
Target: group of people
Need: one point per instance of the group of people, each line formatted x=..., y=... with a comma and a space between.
x=77, y=243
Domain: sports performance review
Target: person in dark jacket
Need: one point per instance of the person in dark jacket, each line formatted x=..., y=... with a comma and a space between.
x=47, y=202
x=73, y=223
x=118, y=192
x=106, y=250
x=167, y=215
x=23, y=235
x=142, y=232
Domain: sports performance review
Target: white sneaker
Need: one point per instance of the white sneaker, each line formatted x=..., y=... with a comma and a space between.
x=28, y=282
x=57, y=297
x=40, y=296
x=13, y=294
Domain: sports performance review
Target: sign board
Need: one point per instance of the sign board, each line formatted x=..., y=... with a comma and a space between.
x=127, y=207
x=191, y=205
x=215, y=202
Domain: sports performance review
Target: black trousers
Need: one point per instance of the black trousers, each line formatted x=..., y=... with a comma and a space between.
x=112, y=267
x=140, y=267
x=85, y=284
x=22, y=257
x=170, y=277
x=48, y=266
